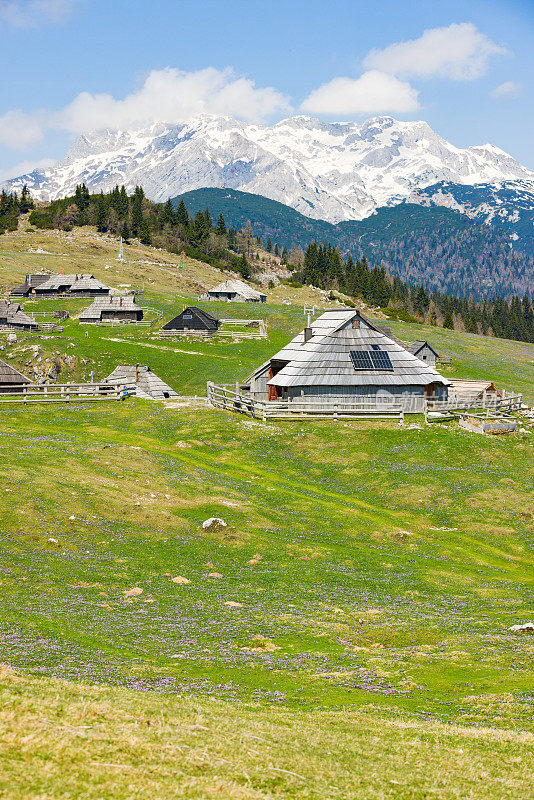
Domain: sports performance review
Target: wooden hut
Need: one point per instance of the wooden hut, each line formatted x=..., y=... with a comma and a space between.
x=109, y=309
x=12, y=316
x=466, y=390
x=193, y=319
x=425, y=352
x=11, y=378
x=341, y=358
x=30, y=284
x=234, y=291
x=147, y=384
x=70, y=286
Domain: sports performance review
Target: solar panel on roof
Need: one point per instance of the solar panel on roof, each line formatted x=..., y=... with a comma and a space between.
x=381, y=360
x=375, y=359
x=361, y=359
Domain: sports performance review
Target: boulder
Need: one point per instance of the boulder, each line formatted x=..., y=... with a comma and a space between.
x=213, y=522
x=11, y=338
x=527, y=627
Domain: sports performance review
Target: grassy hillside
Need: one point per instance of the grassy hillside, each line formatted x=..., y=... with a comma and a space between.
x=327, y=642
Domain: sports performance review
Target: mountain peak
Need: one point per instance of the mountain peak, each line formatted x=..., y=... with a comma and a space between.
x=332, y=171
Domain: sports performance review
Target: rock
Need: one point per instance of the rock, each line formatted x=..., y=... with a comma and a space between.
x=214, y=575
x=11, y=338
x=52, y=540
x=233, y=605
x=213, y=522
x=180, y=579
x=134, y=592
x=527, y=627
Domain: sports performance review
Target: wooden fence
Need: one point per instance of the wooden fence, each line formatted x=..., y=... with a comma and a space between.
x=65, y=393
x=232, y=399
x=256, y=329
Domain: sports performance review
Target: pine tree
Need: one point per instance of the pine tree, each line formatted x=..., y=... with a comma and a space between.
x=125, y=232
x=167, y=215
x=209, y=221
x=101, y=213
x=137, y=213
x=448, y=321
x=269, y=245
x=25, y=203
x=182, y=217
x=144, y=233
x=276, y=250
x=220, y=230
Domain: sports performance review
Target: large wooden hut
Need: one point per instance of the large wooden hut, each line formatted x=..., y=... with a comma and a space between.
x=67, y=286
x=11, y=378
x=341, y=357
x=193, y=319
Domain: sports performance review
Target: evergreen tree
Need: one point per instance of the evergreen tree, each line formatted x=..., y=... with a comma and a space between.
x=182, y=217
x=220, y=230
x=269, y=245
x=208, y=219
x=276, y=250
x=101, y=213
x=125, y=232
x=448, y=321
x=167, y=215
x=144, y=233
x=25, y=203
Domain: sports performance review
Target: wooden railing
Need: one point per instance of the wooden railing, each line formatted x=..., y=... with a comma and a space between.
x=66, y=392
x=232, y=399
x=256, y=329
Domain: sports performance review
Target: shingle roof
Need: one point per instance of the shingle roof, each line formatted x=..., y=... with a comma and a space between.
x=10, y=375
x=147, y=383
x=109, y=303
x=237, y=287
x=72, y=283
x=325, y=359
x=15, y=315
x=415, y=347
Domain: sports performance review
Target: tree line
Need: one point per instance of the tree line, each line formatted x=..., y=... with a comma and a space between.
x=321, y=265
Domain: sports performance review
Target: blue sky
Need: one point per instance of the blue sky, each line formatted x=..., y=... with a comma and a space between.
x=71, y=66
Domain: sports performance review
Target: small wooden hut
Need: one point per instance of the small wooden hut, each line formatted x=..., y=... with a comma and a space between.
x=147, y=383
x=193, y=319
x=11, y=378
x=234, y=291
x=12, y=316
x=425, y=352
x=109, y=309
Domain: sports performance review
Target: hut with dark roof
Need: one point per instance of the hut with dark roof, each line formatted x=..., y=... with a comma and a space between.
x=11, y=378
x=70, y=286
x=343, y=357
x=29, y=285
x=193, y=319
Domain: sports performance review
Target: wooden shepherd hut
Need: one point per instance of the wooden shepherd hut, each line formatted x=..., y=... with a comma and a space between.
x=109, y=309
x=425, y=352
x=12, y=316
x=11, y=378
x=193, y=319
x=234, y=291
x=70, y=286
x=341, y=357
x=147, y=383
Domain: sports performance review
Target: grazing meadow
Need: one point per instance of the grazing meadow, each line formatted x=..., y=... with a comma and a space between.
x=346, y=632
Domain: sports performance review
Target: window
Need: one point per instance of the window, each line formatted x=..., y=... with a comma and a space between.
x=355, y=323
x=187, y=316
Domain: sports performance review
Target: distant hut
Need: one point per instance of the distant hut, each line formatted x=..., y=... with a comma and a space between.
x=108, y=309
x=193, y=319
x=425, y=352
x=70, y=286
x=11, y=378
x=30, y=284
x=343, y=357
x=147, y=384
x=12, y=316
x=234, y=291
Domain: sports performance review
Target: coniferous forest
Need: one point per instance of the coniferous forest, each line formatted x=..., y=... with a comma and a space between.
x=202, y=237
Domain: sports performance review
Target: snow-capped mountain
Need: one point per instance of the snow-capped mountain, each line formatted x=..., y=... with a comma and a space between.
x=331, y=171
x=507, y=204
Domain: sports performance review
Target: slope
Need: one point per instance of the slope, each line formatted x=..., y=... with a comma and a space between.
x=439, y=247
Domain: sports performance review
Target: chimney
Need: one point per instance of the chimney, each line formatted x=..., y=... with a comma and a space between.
x=308, y=333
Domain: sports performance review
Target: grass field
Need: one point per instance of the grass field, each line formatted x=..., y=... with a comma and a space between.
x=345, y=635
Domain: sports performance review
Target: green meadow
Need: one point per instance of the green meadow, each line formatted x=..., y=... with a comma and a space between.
x=344, y=635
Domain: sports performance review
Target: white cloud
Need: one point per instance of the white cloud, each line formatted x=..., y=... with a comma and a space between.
x=459, y=51
x=170, y=95
x=24, y=13
x=167, y=95
x=373, y=92
x=19, y=130
x=23, y=167
x=509, y=90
